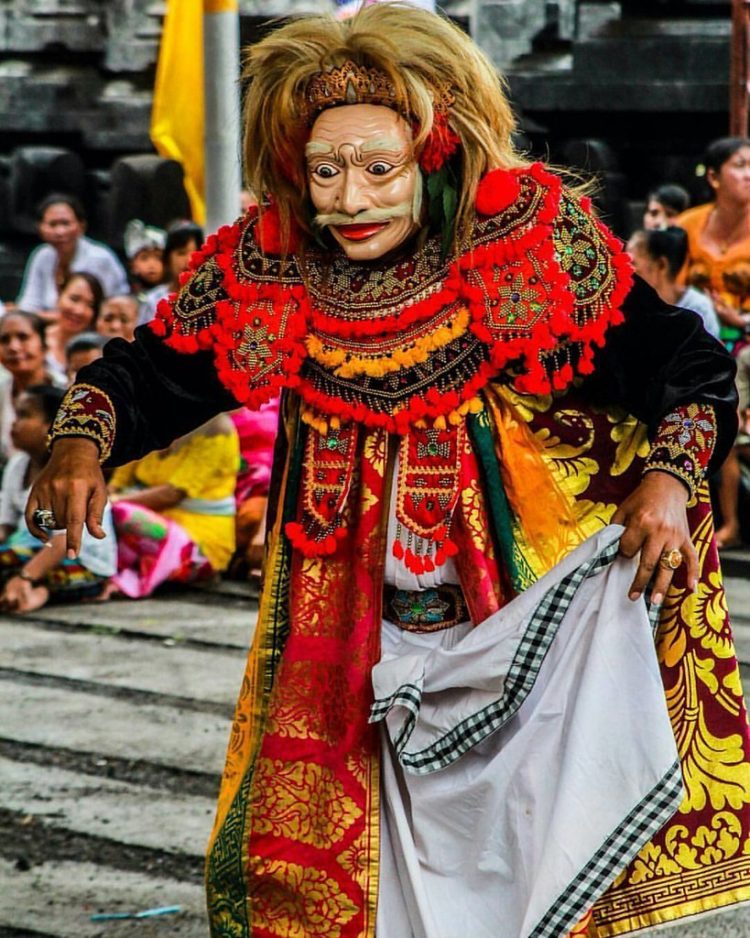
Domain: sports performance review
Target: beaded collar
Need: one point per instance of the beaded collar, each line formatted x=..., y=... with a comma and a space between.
x=395, y=343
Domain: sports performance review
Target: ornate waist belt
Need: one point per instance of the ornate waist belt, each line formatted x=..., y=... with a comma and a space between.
x=429, y=610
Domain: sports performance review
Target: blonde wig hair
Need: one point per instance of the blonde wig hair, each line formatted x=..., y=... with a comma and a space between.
x=420, y=52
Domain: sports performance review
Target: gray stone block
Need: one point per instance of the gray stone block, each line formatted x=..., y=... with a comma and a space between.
x=36, y=25
x=505, y=29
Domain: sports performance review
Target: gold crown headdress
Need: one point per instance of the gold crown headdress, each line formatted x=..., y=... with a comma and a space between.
x=350, y=83
x=347, y=84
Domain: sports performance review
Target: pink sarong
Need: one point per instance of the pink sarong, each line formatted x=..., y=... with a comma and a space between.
x=152, y=550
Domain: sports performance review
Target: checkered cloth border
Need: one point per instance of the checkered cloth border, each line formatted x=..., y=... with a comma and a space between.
x=645, y=820
x=408, y=696
x=530, y=654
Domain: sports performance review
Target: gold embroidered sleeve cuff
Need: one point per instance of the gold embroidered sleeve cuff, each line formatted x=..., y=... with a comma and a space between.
x=88, y=412
x=684, y=444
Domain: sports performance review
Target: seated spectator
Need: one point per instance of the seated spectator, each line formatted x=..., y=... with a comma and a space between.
x=81, y=351
x=658, y=256
x=174, y=511
x=67, y=250
x=663, y=205
x=23, y=355
x=183, y=238
x=118, y=318
x=144, y=249
x=257, y=434
x=77, y=312
x=31, y=575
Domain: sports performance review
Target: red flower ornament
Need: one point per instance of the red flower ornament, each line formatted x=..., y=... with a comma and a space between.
x=440, y=145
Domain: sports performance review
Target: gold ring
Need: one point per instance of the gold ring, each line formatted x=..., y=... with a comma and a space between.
x=671, y=559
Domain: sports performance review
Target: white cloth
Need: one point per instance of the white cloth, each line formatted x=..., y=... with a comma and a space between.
x=99, y=557
x=701, y=304
x=518, y=782
x=39, y=289
x=150, y=300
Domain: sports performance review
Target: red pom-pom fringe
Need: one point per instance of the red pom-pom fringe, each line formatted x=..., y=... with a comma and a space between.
x=496, y=191
x=311, y=546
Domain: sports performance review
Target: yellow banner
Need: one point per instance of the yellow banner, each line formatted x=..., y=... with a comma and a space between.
x=177, y=114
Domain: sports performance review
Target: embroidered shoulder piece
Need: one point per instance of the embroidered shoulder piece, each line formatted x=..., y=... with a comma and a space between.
x=86, y=411
x=393, y=343
x=248, y=307
x=684, y=444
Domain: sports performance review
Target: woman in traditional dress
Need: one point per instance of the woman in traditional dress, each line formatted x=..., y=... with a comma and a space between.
x=174, y=511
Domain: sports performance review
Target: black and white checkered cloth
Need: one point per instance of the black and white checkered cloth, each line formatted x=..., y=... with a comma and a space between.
x=522, y=675
x=645, y=820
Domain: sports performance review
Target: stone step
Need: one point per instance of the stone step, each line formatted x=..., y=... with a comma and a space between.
x=736, y=563
x=58, y=900
x=195, y=674
x=101, y=807
x=173, y=619
x=84, y=722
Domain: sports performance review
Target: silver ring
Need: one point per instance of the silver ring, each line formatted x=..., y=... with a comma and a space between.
x=44, y=518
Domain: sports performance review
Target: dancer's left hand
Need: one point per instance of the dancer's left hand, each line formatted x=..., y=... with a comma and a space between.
x=655, y=520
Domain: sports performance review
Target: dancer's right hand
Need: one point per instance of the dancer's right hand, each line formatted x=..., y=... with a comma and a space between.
x=72, y=486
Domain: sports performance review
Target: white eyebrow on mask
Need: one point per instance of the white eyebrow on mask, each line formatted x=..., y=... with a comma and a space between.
x=389, y=144
x=318, y=148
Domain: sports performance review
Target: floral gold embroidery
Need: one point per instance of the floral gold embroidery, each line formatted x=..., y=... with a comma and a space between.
x=295, y=901
x=355, y=860
x=301, y=801
x=706, y=611
x=298, y=713
x=631, y=437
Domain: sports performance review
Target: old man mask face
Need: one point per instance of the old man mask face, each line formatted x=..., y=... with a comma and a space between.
x=364, y=181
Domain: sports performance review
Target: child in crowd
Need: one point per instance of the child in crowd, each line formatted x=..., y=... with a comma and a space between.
x=183, y=238
x=118, y=318
x=31, y=571
x=174, y=511
x=144, y=249
x=23, y=356
x=67, y=250
x=78, y=310
x=82, y=350
x=663, y=205
x=658, y=256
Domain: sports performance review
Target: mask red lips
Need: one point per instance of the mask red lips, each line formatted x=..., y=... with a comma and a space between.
x=361, y=232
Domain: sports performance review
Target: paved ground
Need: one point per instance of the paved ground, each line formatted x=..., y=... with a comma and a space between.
x=114, y=723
